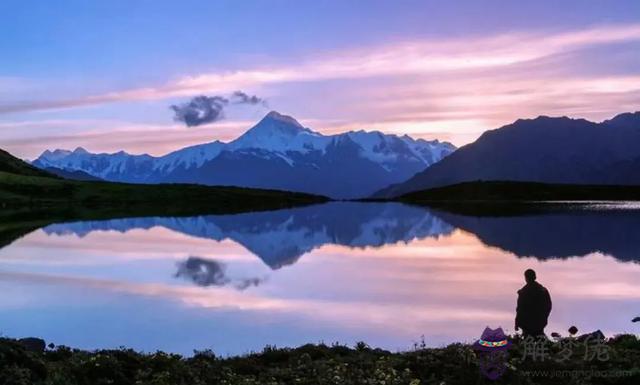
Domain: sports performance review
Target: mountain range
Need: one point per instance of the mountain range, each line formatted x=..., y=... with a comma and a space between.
x=544, y=149
x=277, y=153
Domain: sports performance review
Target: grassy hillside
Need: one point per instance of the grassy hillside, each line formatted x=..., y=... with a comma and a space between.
x=46, y=192
x=520, y=192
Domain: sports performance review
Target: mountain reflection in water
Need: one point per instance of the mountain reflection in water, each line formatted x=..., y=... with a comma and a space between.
x=280, y=237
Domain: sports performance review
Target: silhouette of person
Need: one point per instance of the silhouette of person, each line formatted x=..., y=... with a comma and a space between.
x=534, y=306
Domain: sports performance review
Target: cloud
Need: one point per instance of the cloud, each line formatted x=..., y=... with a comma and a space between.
x=442, y=56
x=451, y=88
x=209, y=272
x=200, y=110
x=208, y=109
x=242, y=98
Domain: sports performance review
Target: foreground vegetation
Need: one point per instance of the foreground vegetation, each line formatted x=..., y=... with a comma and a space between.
x=506, y=191
x=315, y=364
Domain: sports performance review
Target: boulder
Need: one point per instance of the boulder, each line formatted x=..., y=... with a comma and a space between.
x=597, y=335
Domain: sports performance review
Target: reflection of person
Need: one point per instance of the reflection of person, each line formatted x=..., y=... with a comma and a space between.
x=534, y=306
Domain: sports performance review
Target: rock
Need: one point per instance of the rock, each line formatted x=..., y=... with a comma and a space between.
x=597, y=335
x=32, y=344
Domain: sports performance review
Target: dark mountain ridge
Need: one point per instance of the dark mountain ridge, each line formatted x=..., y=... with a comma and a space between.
x=544, y=149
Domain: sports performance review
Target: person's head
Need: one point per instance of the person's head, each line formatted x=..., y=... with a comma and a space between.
x=530, y=275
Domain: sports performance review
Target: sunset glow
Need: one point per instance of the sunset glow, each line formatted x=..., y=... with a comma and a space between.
x=423, y=81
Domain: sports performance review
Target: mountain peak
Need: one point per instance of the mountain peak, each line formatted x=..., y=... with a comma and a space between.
x=278, y=132
x=54, y=155
x=275, y=124
x=276, y=117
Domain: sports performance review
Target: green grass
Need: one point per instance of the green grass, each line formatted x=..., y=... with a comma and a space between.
x=312, y=364
x=38, y=192
x=506, y=191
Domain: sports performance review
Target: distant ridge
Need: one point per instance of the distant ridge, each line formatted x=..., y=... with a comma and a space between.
x=277, y=153
x=544, y=149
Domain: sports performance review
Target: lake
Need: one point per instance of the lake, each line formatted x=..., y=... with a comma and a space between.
x=383, y=273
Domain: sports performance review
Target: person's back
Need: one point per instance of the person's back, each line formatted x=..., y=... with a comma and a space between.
x=534, y=306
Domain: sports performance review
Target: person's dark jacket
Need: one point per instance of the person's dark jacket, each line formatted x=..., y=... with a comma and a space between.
x=534, y=306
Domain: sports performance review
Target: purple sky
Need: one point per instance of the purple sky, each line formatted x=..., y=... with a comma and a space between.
x=102, y=75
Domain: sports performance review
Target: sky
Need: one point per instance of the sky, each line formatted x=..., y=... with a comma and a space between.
x=103, y=74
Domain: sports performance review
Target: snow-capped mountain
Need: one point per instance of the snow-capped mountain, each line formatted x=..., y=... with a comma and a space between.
x=277, y=153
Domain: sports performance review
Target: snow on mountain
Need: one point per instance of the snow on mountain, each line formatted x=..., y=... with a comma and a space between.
x=118, y=167
x=278, y=152
x=193, y=156
x=280, y=133
x=57, y=154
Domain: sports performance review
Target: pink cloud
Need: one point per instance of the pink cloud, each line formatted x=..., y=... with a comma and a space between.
x=441, y=56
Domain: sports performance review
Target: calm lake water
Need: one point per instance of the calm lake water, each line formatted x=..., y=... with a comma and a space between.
x=384, y=273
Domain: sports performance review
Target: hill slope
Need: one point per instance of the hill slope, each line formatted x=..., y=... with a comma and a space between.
x=11, y=164
x=548, y=150
x=135, y=199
